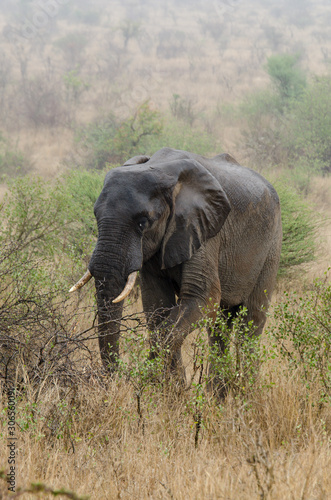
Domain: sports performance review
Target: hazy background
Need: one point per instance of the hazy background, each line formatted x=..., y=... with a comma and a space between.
x=66, y=63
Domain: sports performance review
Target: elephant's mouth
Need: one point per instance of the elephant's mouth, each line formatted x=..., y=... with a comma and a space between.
x=125, y=292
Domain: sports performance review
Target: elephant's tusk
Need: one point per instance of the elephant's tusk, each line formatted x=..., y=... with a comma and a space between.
x=128, y=287
x=87, y=276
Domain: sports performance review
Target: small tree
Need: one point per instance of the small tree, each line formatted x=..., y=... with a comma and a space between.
x=310, y=125
x=130, y=30
x=287, y=77
x=130, y=136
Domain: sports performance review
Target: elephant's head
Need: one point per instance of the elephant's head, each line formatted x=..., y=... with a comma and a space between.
x=148, y=208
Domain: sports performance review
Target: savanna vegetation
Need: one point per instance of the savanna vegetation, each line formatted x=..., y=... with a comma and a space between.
x=82, y=88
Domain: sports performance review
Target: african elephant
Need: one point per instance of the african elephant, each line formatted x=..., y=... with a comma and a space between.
x=199, y=231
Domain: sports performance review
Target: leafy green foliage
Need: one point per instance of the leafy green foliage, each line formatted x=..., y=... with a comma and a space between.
x=147, y=131
x=302, y=337
x=132, y=136
x=299, y=225
x=12, y=162
x=287, y=77
x=309, y=127
x=74, y=86
x=290, y=125
x=97, y=139
x=178, y=135
x=49, y=219
x=46, y=232
x=112, y=141
x=81, y=190
x=234, y=367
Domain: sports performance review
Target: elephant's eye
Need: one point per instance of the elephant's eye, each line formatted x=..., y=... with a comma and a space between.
x=142, y=223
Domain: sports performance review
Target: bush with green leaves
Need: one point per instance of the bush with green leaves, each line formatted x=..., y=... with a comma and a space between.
x=299, y=226
x=97, y=140
x=110, y=141
x=178, y=135
x=287, y=77
x=12, y=160
x=301, y=336
x=46, y=236
x=234, y=357
x=113, y=141
x=309, y=127
x=290, y=125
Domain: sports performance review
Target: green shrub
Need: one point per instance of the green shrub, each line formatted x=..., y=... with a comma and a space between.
x=133, y=136
x=291, y=125
x=235, y=368
x=12, y=162
x=263, y=129
x=287, y=77
x=46, y=237
x=82, y=188
x=178, y=134
x=97, y=139
x=309, y=127
x=299, y=226
x=112, y=141
x=302, y=337
x=147, y=131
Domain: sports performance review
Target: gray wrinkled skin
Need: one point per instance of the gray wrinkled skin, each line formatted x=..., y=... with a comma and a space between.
x=196, y=229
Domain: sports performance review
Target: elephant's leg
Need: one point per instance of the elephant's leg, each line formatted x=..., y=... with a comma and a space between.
x=177, y=321
x=258, y=301
x=257, y=306
x=188, y=315
x=159, y=299
x=199, y=297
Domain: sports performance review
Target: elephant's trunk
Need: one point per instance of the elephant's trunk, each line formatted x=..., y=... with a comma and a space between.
x=113, y=264
x=109, y=325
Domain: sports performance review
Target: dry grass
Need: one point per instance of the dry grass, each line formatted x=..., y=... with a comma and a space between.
x=94, y=437
x=276, y=446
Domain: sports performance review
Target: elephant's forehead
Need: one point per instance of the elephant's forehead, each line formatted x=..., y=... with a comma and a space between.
x=130, y=178
x=126, y=188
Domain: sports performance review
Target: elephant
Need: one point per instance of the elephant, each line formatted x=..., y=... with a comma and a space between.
x=199, y=231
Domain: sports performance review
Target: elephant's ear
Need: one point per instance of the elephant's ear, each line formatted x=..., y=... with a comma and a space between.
x=136, y=160
x=199, y=208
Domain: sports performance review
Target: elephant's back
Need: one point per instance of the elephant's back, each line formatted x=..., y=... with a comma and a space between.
x=243, y=186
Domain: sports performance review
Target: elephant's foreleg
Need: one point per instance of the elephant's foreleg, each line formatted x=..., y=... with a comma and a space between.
x=159, y=299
